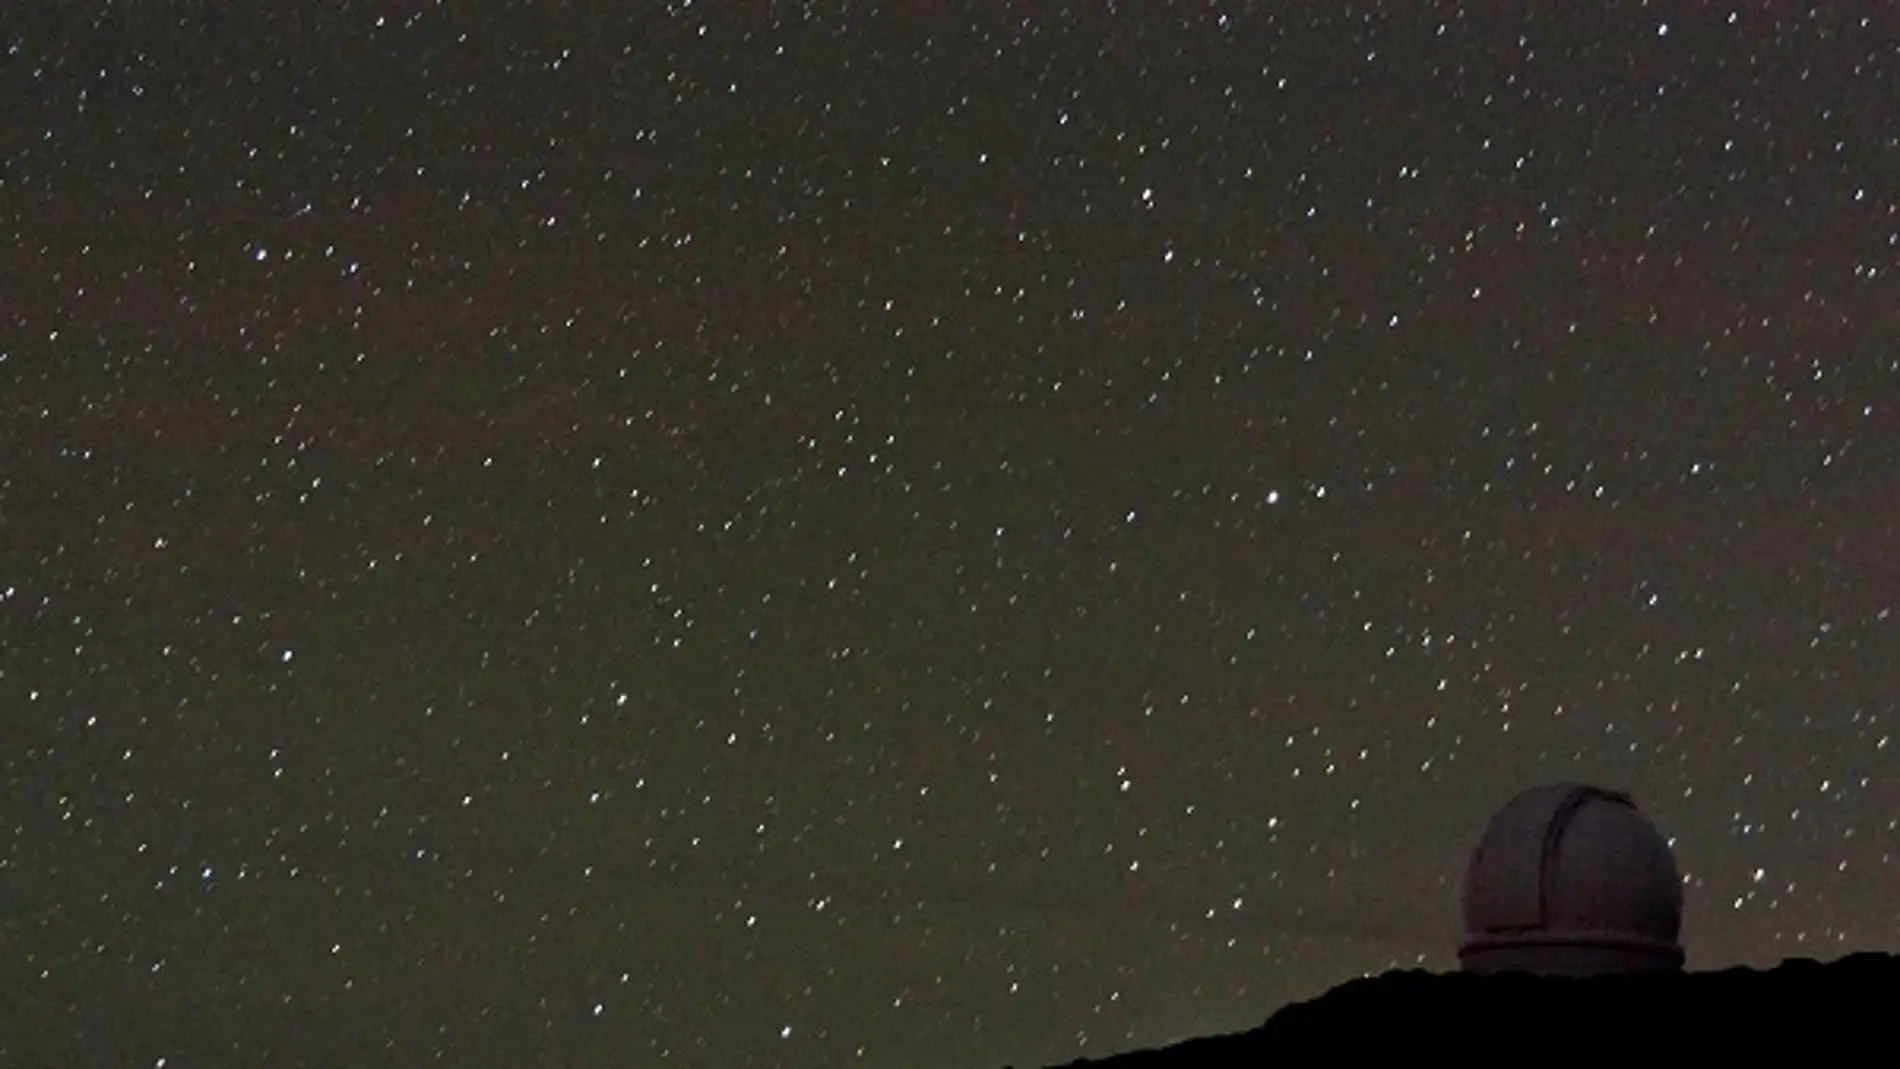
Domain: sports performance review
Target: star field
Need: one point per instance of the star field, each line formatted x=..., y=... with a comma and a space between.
x=927, y=534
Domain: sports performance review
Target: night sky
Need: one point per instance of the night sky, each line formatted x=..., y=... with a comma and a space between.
x=920, y=534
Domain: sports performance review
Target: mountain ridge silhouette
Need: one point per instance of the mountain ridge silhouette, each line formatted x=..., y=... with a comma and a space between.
x=1800, y=1007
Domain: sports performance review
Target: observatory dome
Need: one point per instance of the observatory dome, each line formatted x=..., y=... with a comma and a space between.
x=1571, y=880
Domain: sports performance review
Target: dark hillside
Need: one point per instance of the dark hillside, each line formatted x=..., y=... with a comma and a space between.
x=1801, y=1006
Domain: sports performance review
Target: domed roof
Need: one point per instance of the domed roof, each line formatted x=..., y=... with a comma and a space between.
x=1571, y=879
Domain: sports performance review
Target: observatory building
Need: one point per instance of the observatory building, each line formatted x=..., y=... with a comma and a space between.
x=1571, y=880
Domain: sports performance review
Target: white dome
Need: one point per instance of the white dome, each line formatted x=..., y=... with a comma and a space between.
x=1571, y=880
